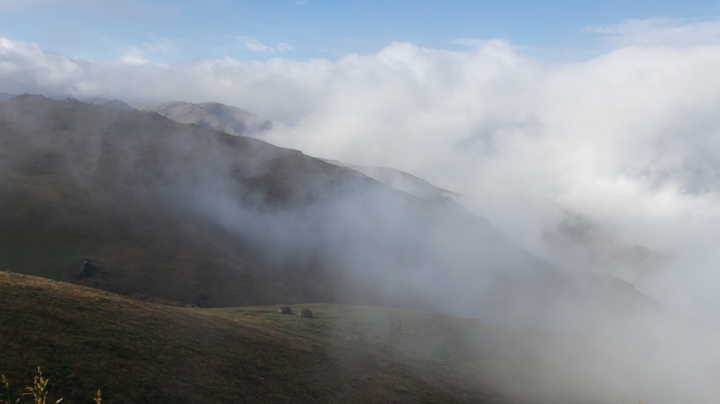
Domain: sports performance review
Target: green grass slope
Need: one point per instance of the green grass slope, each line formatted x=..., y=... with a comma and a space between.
x=61, y=201
x=187, y=214
x=48, y=225
x=137, y=352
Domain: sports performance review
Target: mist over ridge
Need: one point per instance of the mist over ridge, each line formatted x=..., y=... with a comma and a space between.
x=590, y=190
x=233, y=121
x=183, y=213
x=626, y=138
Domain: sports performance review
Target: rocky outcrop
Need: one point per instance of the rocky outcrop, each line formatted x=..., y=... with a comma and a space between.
x=82, y=270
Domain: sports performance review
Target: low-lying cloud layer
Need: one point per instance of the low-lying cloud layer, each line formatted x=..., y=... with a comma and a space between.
x=628, y=140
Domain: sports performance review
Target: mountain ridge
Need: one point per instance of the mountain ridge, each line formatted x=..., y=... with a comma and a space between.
x=236, y=121
x=189, y=214
x=401, y=180
x=211, y=115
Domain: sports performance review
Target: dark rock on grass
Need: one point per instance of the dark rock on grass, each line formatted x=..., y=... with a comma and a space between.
x=307, y=313
x=285, y=310
x=82, y=270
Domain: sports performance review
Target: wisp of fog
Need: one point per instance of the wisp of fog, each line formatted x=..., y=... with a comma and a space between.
x=599, y=179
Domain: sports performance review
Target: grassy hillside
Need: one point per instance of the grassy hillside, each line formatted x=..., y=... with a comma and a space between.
x=191, y=215
x=48, y=225
x=137, y=352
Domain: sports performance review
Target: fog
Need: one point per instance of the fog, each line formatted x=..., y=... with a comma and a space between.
x=608, y=165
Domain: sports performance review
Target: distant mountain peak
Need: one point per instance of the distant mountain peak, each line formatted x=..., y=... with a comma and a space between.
x=117, y=106
x=237, y=121
x=400, y=180
x=211, y=115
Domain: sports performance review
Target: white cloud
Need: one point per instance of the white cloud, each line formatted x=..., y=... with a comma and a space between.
x=26, y=67
x=133, y=58
x=138, y=55
x=630, y=138
x=254, y=45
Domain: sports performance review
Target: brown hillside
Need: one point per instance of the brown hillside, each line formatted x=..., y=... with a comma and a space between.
x=212, y=115
x=137, y=352
x=187, y=214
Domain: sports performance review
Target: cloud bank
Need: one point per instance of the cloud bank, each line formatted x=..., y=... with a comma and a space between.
x=628, y=140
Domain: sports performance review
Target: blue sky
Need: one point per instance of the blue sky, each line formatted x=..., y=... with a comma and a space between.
x=186, y=30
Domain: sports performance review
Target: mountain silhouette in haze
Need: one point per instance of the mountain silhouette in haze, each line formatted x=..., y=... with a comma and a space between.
x=400, y=180
x=191, y=215
x=213, y=115
x=236, y=121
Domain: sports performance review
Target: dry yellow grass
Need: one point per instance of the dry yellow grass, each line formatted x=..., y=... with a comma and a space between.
x=8, y=397
x=145, y=353
x=138, y=352
x=38, y=390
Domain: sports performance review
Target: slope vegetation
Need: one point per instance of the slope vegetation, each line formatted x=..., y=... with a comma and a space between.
x=180, y=213
x=137, y=352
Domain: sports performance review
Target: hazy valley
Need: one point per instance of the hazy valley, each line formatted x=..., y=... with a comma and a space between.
x=304, y=201
x=155, y=211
